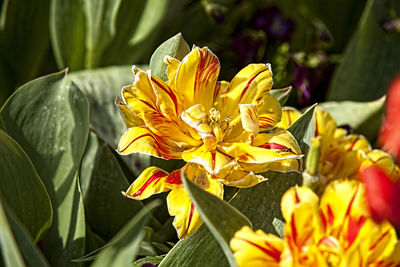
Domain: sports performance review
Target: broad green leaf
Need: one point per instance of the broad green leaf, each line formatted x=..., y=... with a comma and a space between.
x=22, y=188
x=198, y=250
x=303, y=129
x=261, y=204
x=363, y=117
x=138, y=27
x=282, y=95
x=11, y=254
x=93, y=33
x=101, y=87
x=24, y=38
x=175, y=47
x=29, y=250
x=221, y=219
x=371, y=59
x=102, y=181
x=124, y=247
x=49, y=118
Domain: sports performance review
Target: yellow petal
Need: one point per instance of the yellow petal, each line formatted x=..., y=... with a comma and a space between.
x=383, y=160
x=142, y=140
x=129, y=117
x=212, y=161
x=196, y=117
x=355, y=142
x=289, y=116
x=187, y=219
x=247, y=87
x=196, y=77
x=149, y=182
x=256, y=249
x=294, y=197
x=221, y=87
x=172, y=67
x=242, y=179
x=325, y=124
x=269, y=112
x=249, y=116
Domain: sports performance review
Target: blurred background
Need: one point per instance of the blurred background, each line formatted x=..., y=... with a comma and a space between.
x=327, y=50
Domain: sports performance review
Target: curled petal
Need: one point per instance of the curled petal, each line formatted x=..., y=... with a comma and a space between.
x=150, y=181
x=289, y=116
x=172, y=67
x=196, y=117
x=249, y=116
x=212, y=161
x=248, y=87
x=256, y=248
x=325, y=124
x=129, y=117
x=269, y=112
x=242, y=179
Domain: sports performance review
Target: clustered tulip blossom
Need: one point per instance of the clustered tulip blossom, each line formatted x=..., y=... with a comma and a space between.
x=225, y=131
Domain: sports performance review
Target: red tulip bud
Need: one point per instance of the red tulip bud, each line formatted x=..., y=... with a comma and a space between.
x=383, y=195
x=390, y=130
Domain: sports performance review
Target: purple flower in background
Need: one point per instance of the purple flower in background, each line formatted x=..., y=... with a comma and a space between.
x=246, y=48
x=271, y=21
x=148, y=265
x=390, y=25
x=312, y=81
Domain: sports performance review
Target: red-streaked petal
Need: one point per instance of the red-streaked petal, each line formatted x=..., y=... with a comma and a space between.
x=149, y=182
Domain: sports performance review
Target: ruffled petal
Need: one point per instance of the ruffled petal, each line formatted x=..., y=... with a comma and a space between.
x=149, y=182
x=269, y=112
x=242, y=179
x=248, y=87
x=256, y=248
x=196, y=77
x=129, y=117
x=249, y=117
x=196, y=118
x=142, y=140
x=212, y=161
x=172, y=67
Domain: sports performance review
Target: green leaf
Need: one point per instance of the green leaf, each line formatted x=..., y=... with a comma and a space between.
x=363, y=117
x=138, y=27
x=93, y=33
x=30, y=252
x=23, y=38
x=282, y=95
x=371, y=59
x=221, y=219
x=22, y=188
x=124, y=247
x=155, y=260
x=279, y=226
x=261, y=204
x=49, y=118
x=303, y=129
x=175, y=47
x=101, y=87
x=102, y=181
x=9, y=248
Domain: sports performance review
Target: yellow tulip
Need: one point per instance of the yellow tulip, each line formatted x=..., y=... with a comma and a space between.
x=334, y=230
x=216, y=126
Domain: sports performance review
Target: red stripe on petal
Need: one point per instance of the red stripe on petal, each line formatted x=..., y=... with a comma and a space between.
x=353, y=144
x=213, y=155
x=276, y=146
x=315, y=124
x=273, y=253
x=190, y=215
x=155, y=177
x=169, y=92
x=353, y=229
x=134, y=140
x=331, y=217
x=174, y=177
x=249, y=83
x=379, y=240
x=294, y=230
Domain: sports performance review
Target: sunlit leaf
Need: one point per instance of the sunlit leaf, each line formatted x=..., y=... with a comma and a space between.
x=49, y=118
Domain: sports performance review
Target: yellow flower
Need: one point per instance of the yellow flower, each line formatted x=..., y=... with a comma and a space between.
x=335, y=230
x=214, y=125
x=289, y=116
